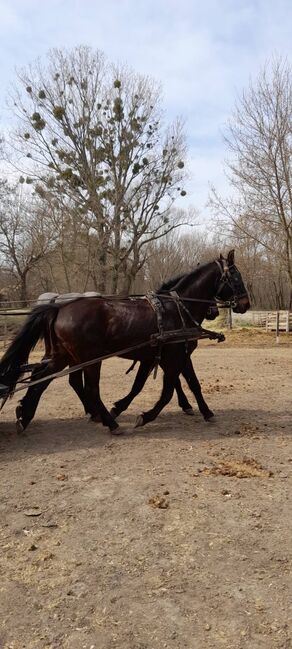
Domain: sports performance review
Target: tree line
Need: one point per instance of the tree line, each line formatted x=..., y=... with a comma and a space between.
x=98, y=173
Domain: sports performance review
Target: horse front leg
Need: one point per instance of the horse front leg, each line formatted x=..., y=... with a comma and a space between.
x=190, y=376
x=139, y=382
x=169, y=380
x=76, y=382
x=182, y=399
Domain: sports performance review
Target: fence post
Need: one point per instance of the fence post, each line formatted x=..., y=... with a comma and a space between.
x=230, y=317
x=277, y=326
x=288, y=322
x=5, y=331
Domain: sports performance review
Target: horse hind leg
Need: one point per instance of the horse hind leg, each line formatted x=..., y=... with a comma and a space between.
x=92, y=379
x=26, y=409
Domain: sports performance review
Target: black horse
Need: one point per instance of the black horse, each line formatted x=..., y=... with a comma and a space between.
x=77, y=380
x=188, y=371
x=85, y=329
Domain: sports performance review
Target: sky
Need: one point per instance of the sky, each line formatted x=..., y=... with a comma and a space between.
x=203, y=52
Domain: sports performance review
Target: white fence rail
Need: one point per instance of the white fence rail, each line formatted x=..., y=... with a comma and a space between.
x=265, y=319
x=284, y=321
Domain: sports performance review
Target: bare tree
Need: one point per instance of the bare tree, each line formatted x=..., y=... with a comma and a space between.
x=176, y=254
x=25, y=237
x=259, y=138
x=91, y=135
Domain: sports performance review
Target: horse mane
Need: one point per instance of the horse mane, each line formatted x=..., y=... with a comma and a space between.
x=171, y=283
x=178, y=280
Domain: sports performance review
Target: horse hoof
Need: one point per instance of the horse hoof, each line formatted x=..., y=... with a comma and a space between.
x=189, y=411
x=19, y=427
x=113, y=413
x=139, y=421
x=209, y=415
x=118, y=431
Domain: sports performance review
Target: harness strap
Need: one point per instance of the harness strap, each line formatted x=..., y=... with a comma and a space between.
x=178, y=305
x=156, y=305
x=181, y=307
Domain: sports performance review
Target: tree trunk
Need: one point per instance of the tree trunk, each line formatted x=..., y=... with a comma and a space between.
x=102, y=273
x=129, y=278
x=102, y=249
x=127, y=283
x=115, y=280
x=117, y=249
x=23, y=288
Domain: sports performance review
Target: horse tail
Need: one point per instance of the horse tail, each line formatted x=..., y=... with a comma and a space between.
x=34, y=329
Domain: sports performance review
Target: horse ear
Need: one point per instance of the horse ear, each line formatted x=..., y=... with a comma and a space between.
x=221, y=256
x=230, y=258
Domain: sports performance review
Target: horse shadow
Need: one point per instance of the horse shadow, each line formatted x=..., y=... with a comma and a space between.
x=51, y=436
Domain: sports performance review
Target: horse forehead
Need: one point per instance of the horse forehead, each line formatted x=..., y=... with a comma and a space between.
x=235, y=271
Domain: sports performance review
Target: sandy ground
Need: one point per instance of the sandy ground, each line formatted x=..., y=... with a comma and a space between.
x=154, y=539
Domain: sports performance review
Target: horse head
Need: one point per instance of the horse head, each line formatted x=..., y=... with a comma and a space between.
x=231, y=287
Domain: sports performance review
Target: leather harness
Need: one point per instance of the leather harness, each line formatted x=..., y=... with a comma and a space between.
x=157, y=306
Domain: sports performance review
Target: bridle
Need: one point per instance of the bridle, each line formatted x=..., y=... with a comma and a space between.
x=227, y=280
x=224, y=280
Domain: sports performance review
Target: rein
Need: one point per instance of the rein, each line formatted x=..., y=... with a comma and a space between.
x=214, y=302
x=142, y=296
x=152, y=342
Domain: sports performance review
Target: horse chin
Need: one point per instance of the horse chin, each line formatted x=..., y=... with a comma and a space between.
x=242, y=306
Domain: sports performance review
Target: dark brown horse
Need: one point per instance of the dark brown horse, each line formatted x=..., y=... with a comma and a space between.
x=79, y=331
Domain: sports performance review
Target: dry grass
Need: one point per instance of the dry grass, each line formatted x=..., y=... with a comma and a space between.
x=250, y=337
x=245, y=468
x=158, y=502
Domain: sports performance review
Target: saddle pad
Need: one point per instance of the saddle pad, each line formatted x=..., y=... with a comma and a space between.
x=47, y=298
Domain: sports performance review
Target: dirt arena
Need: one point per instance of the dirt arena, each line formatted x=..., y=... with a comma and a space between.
x=175, y=535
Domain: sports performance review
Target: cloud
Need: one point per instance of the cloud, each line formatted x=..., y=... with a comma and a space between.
x=203, y=53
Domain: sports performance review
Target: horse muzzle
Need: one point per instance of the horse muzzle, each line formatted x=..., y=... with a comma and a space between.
x=242, y=304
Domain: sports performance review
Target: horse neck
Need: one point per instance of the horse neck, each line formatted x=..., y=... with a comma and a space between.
x=201, y=283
